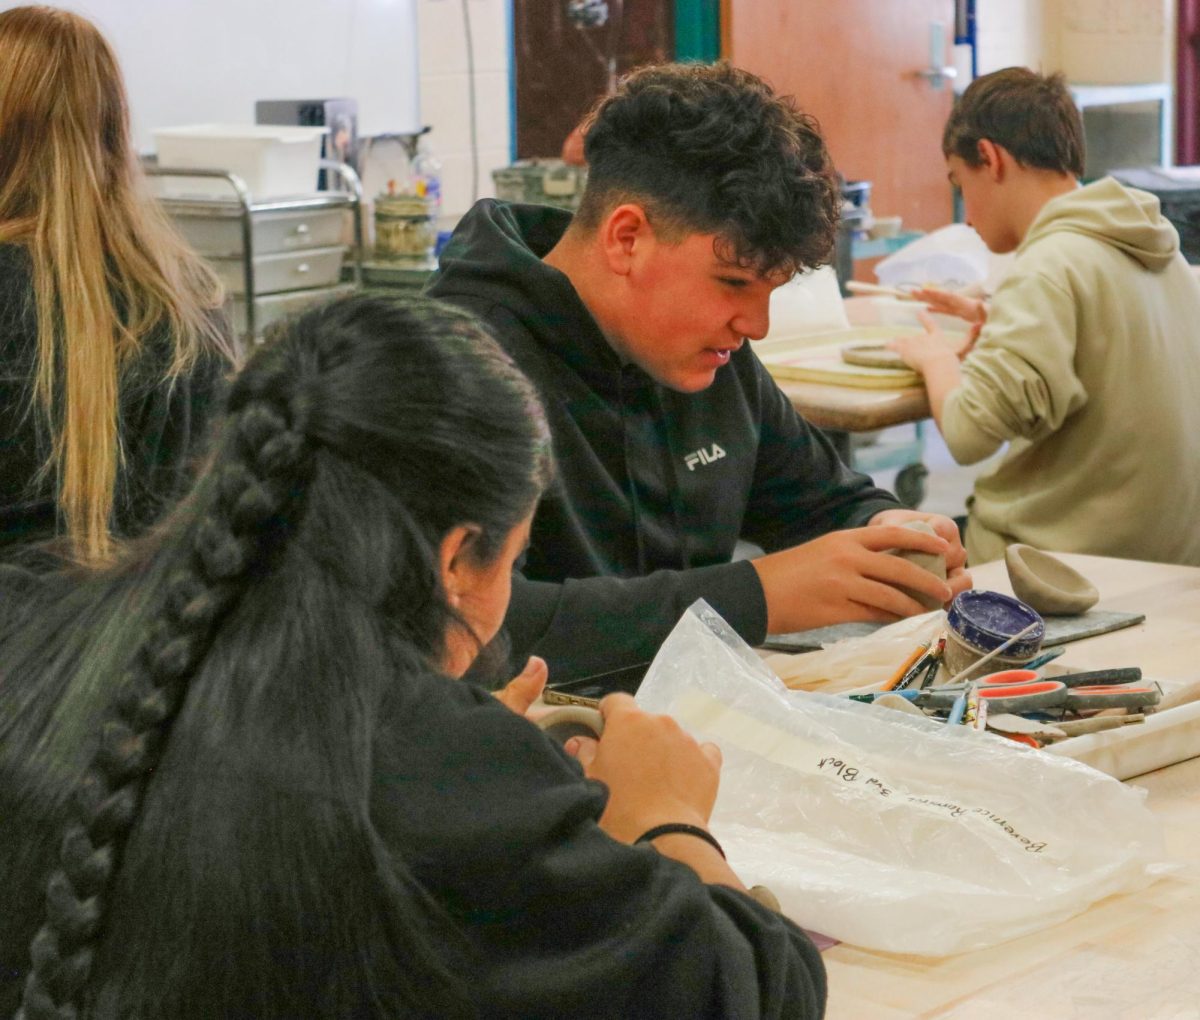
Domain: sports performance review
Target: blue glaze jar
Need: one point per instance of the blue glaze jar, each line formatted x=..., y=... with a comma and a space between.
x=981, y=621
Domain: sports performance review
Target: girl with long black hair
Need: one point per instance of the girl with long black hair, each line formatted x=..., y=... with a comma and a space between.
x=239, y=777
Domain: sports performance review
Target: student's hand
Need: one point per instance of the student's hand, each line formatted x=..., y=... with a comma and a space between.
x=921, y=350
x=526, y=687
x=656, y=775
x=849, y=576
x=655, y=772
x=956, y=559
x=947, y=302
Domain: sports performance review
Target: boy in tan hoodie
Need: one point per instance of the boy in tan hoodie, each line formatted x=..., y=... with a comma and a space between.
x=1086, y=363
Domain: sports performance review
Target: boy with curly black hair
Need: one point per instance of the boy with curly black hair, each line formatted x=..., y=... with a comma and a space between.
x=706, y=191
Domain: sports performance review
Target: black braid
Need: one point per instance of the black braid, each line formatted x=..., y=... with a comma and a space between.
x=252, y=487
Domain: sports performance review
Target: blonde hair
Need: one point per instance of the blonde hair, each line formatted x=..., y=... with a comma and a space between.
x=108, y=268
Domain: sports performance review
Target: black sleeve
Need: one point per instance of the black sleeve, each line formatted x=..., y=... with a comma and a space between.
x=802, y=489
x=562, y=920
x=593, y=625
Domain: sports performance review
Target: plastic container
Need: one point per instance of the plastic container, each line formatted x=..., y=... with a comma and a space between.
x=978, y=623
x=405, y=228
x=272, y=160
x=427, y=171
x=541, y=182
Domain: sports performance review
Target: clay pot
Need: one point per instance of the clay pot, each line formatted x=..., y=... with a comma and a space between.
x=978, y=622
x=561, y=724
x=926, y=561
x=1047, y=584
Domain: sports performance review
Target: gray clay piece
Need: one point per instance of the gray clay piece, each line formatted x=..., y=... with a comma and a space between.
x=872, y=356
x=1047, y=584
x=926, y=561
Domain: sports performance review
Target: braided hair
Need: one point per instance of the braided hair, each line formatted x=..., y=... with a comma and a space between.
x=404, y=419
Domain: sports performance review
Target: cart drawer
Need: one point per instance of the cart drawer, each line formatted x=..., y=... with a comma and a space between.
x=270, y=231
x=298, y=270
x=272, y=307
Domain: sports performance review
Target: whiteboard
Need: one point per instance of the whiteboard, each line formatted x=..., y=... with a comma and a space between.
x=200, y=61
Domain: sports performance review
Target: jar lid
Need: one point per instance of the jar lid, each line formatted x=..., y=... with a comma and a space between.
x=986, y=619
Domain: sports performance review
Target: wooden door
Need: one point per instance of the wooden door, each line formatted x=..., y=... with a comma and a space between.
x=854, y=64
x=567, y=55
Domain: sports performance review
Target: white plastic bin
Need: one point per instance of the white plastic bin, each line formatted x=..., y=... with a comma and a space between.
x=273, y=160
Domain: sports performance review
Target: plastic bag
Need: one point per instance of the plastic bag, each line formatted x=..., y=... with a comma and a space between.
x=863, y=661
x=889, y=831
x=952, y=257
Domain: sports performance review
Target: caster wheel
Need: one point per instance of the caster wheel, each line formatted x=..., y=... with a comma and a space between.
x=910, y=485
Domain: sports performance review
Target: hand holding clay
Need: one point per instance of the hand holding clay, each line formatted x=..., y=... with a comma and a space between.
x=848, y=576
x=935, y=564
x=655, y=772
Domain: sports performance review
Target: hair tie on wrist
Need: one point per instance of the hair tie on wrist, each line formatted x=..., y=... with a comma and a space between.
x=684, y=829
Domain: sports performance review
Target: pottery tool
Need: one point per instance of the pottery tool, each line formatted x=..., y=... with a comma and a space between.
x=957, y=708
x=1015, y=698
x=1084, y=699
x=981, y=714
x=1094, y=724
x=855, y=287
x=922, y=665
x=1045, y=657
x=998, y=650
x=1039, y=696
x=1124, y=675
x=938, y=653
x=1095, y=678
x=971, y=710
x=899, y=676
x=873, y=696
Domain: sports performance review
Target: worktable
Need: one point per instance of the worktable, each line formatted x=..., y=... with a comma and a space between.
x=1133, y=957
x=842, y=411
x=849, y=409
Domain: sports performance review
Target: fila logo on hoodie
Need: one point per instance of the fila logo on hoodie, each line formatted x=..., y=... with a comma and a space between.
x=703, y=456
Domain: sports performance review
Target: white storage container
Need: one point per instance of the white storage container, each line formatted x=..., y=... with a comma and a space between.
x=273, y=160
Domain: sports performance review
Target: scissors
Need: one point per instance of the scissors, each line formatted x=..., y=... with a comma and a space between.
x=1020, y=692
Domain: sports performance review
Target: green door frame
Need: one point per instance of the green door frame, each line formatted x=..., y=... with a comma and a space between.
x=698, y=30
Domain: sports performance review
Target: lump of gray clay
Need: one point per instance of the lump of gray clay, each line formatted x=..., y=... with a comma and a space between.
x=926, y=561
x=1047, y=584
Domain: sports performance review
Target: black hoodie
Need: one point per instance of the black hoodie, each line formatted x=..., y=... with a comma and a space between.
x=654, y=487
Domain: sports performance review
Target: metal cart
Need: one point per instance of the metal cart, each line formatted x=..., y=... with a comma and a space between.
x=276, y=255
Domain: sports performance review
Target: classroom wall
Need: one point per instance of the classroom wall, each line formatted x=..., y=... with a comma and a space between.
x=1009, y=33
x=192, y=61
x=1118, y=42
x=1091, y=42
x=446, y=88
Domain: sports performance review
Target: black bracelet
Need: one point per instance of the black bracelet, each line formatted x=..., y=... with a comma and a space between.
x=683, y=829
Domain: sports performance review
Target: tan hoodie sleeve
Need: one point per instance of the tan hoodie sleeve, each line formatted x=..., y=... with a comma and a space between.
x=1020, y=379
